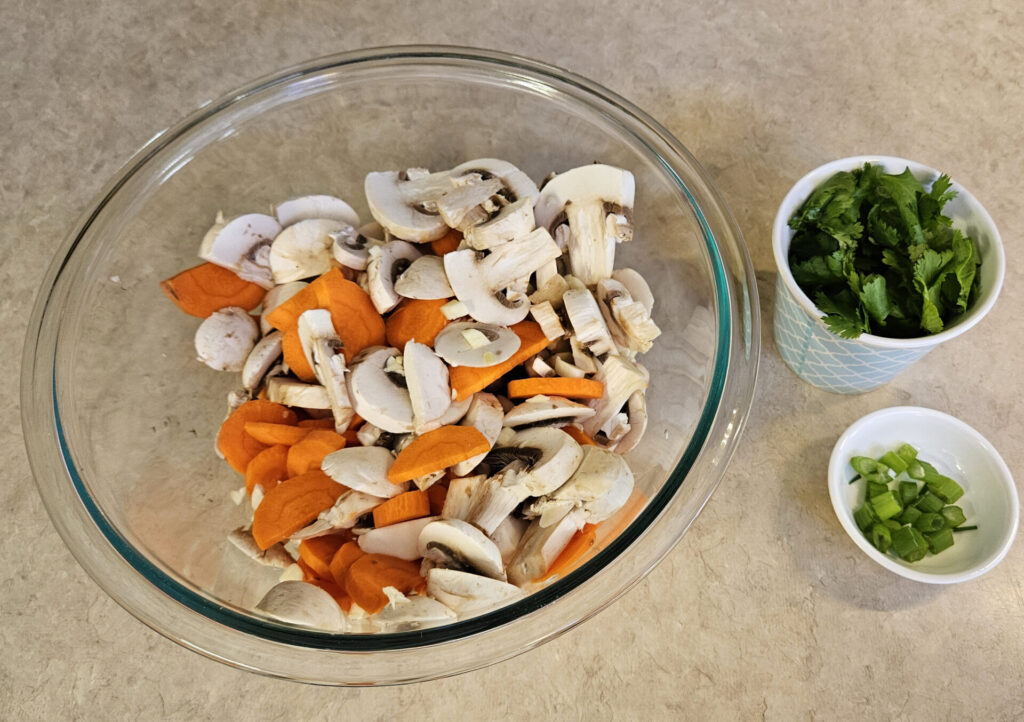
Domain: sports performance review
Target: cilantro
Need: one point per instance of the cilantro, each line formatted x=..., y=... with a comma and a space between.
x=878, y=256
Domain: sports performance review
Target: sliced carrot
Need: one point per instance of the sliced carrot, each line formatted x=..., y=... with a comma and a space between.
x=318, y=552
x=409, y=505
x=308, y=575
x=437, y=450
x=555, y=386
x=325, y=423
x=235, y=444
x=309, y=453
x=581, y=437
x=345, y=557
x=447, y=243
x=294, y=356
x=351, y=437
x=267, y=468
x=344, y=600
x=287, y=313
x=416, y=320
x=466, y=381
x=369, y=574
x=355, y=318
x=291, y=505
x=437, y=494
x=203, y=289
x=271, y=434
x=581, y=542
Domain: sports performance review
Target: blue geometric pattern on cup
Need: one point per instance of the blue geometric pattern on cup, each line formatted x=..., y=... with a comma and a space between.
x=825, y=360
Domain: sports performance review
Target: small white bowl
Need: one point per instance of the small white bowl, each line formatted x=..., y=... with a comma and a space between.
x=956, y=450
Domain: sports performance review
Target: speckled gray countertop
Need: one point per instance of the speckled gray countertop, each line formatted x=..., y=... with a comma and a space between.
x=766, y=608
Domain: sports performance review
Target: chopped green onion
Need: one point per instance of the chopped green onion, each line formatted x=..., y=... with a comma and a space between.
x=965, y=528
x=929, y=503
x=894, y=462
x=909, y=514
x=878, y=477
x=946, y=489
x=855, y=479
x=930, y=522
x=881, y=537
x=909, y=544
x=874, y=489
x=864, y=517
x=940, y=540
x=915, y=470
x=908, y=492
x=931, y=474
x=892, y=524
x=864, y=465
x=953, y=515
x=886, y=505
x=907, y=452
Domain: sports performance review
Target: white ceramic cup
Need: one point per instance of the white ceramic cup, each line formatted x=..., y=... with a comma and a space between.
x=851, y=366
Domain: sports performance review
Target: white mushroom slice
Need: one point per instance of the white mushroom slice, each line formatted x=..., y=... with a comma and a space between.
x=297, y=394
x=263, y=355
x=512, y=221
x=551, y=290
x=588, y=323
x=599, y=488
x=517, y=184
x=347, y=510
x=486, y=416
x=470, y=201
x=537, y=367
x=630, y=323
x=407, y=614
x=225, y=338
x=303, y=604
x=370, y=434
x=507, y=434
x=544, y=314
x=596, y=201
x=424, y=279
x=316, y=206
x=322, y=349
x=363, y=468
x=540, y=546
x=456, y=544
x=274, y=298
x=242, y=245
x=581, y=358
x=637, y=406
x=548, y=410
x=469, y=594
x=621, y=378
x=455, y=412
x=508, y=535
x=477, y=345
x=303, y=250
x=459, y=498
x=405, y=203
x=387, y=263
x=428, y=480
x=275, y=556
x=397, y=540
x=235, y=399
x=617, y=428
x=380, y=396
x=558, y=459
x=351, y=247
x=454, y=309
x=426, y=377
x=479, y=280
x=566, y=369
x=636, y=285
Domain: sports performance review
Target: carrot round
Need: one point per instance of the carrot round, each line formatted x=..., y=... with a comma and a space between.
x=203, y=289
x=579, y=435
x=416, y=320
x=369, y=574
x=344, y=600
x=555, y=386
x=570, y=558
x=309, y=453
x=271, y=434
x=235, y=444
x=447, y=243
x=308, y=575
x=437, y=494
x=319, y=551
x=409, y=505
x=466, y=381
x=286, y=314
x=291, y=348
x=344, y=558
x=353, y=314
x=437, y=450
x=291, y=505
x=325, y=423
x=267, y=468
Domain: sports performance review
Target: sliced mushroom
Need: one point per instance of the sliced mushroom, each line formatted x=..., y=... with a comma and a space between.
x=588, y=323
x=637, y=406
x=303, y=604
x=566, y=368
x=225, y=338
x=454, y=309
x=516, y=184
x=486, y=416
x=351, y=247
x=541, y=545
x=407, y=614
x=469, y=594
x=303, y=250
x=508, y=535
x=405, y=203
x=428, y=480
x=550, y=287
x=470, y=201
x=581, y=358
x=322, y=349
x=539, y=368
x=426, y=377
x=512, y=221
x=316, y=206
x=344, y=514
x=598, y=488
x=459, y=498
x=387, y=262
x=297, y=394
x=378, y=394
x=456, y=544
x=547, y=411
x=479, y=280
x=243, y=245
x=363, y=468
x=544, y=314
x=397, y=540
x=596, y=202
x=474, y=344
x=263, y=355
x=630, y=323
x=274, y=556
x=274, y=298
x=621, y=378
x=455, y=413
x=636, y=285
x=424, y=279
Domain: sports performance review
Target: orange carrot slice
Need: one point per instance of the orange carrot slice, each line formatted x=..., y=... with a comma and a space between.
x=437, y=494
x=203, y=289
x=235, y=444
x=355, y=318
x=319, y=551
x=344, y=600
x=325, y=423
x=581, y=543
x=309, y=453
x=344, y=558
x=437, y=450
x=291, y=505
x=579, y=435
x=447, y=243
x=294, y=356
x=369, y=574
x=410, y=505
x=267, y=468
x=271, y=434
x=308, y=575
x=555, y=386
x=287, y=313
x=416, y=320
x=467, y=381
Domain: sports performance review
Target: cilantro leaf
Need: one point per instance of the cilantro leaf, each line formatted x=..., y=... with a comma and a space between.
x=843, y=326
x=875, y=298
x=903, y=190
x=839, y=188
x=819, y=270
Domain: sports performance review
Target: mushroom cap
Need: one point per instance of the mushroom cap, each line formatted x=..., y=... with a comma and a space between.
x=512, y=221
x=397, y=540
x=541, y=545
x=424, y=279
x=315, y=206
x=560, y=457
x=363, y=468
x=225, y=338
x=426, y=378
x=406, y=614
x=549, y=410
x=303, y=250
x=600, y=486
x=351, y=248
x=454, y=543
x=456, y=347
x=387, y=262
x=636, y=285
x=378, y=396
x=595, y=183
x=398, y=203
x=243, y=245
x=637, y=406
x=484, y=298
x=263, y=355
x=303, y=604
x=467, y=594
x=517, y=184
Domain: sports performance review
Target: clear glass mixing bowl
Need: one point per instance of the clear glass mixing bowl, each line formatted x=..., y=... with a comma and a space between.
x=119, y=418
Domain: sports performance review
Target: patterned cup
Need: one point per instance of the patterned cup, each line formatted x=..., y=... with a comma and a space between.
x=853, y=366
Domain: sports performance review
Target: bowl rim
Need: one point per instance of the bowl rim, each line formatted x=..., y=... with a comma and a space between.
x=838, y=481
x=801, y=191
x=39, y=368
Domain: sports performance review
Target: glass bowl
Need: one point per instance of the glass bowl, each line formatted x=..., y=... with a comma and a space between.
x=119, y=418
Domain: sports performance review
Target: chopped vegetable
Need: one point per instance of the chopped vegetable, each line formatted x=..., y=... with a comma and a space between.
x=415, y=320
x=370, y=573
x=267, y=468
x=447, y=243
x=940, y=540
x=555, y=386
x=291, y=505
x=886, y=505
x=235, y=444
x=203, y=289
x=909, y=544
x=309, y=452
x=270, y=434
x=319, y=551
x=437, y=450
x=881, y=537
x=466, y=380
x=409, y=505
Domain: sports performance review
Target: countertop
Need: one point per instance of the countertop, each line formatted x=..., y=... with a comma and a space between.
x=766, y=608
